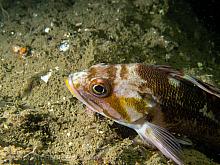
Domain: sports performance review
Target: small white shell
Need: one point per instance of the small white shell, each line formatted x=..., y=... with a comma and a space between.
x=46, y=77
x=47, y=30
x=64, y=46
x=16, y=48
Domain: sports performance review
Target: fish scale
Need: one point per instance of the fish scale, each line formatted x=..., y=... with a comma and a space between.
x=154, y=101
x=171, y=95
x=185, y=109
x=184, y=102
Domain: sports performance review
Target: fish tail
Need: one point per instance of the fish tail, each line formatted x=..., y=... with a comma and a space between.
x=163, y=140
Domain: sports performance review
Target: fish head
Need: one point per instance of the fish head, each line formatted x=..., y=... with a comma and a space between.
x=111, y=90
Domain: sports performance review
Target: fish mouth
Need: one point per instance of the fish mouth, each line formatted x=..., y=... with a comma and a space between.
x=91, y=105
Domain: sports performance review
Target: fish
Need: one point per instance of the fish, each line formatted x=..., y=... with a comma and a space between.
x=157, y=101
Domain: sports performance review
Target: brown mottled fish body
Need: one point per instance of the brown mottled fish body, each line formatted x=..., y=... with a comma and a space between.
x=186, y=108
x=154, y=101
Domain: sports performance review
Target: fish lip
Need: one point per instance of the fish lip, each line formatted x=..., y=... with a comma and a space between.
x=74, y=91
x=70, y=86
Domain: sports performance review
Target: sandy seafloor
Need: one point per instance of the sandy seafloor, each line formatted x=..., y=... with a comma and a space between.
x=41, y=123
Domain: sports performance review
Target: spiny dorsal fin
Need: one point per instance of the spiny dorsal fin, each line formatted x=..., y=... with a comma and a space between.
x=204, y=86
x=179, y=75
x=169, y=70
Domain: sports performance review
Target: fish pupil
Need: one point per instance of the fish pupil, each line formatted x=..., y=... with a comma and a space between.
x=99, y=89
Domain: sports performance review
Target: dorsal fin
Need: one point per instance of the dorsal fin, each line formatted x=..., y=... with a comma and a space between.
x=202, y=85
x=207, y=87
x=169, y=70
x=179, y=75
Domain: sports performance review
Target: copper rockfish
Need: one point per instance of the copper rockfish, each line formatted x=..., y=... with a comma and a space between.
x=153, y=100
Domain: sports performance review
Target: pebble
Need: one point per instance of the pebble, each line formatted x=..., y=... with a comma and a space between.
x=64, y=46
x=47, y=30
x=46, y=77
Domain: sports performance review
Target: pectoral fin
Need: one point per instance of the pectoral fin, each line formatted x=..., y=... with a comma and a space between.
x=163, y=140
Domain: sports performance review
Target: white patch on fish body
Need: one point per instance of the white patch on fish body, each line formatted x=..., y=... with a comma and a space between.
x=208, y=114
x=123, y=88
x=174, y=82
x=118, y=71
x=128, y=87
x=78, y=76
x=99, y=65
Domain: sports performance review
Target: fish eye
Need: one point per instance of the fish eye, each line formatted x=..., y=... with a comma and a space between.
x=100, y=87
